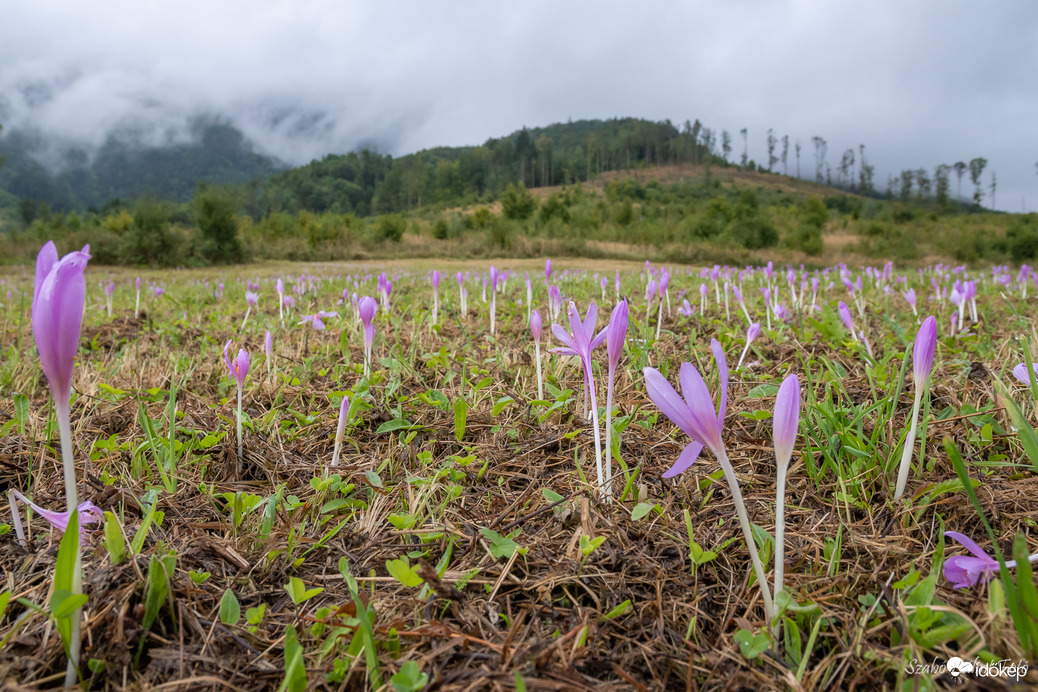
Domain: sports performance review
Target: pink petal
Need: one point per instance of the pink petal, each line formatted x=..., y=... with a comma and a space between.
x=688, y=457
x=668, y=401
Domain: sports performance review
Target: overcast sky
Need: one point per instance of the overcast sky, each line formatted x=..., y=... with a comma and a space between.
x=919, y=83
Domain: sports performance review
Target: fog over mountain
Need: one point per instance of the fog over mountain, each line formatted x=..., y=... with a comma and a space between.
x=918, y=83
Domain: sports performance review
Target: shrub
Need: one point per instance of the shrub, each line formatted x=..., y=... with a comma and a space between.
x=390, y=227
x=517, y=203
x=441, y=229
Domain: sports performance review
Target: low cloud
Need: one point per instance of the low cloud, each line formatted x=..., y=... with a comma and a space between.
x=919, y=84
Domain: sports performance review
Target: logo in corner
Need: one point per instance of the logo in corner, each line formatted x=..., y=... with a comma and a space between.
x=956, y=666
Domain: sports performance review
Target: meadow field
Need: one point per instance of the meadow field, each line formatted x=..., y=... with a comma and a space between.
x=461, y=537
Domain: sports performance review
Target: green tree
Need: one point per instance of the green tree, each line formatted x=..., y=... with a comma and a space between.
x=216, y=215
x=148, y=240
x=941, y=175
x=517, y=203
x=960, y=169
x=977, y=166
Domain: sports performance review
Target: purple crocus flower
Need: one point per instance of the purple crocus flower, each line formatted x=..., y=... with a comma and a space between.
x=238, y=370
x=436, y=294
x=845, y=315
x=616, y=332
x=695, y=416
x=554, y=302
x=137, y=305
x=268, y=349
x=751, y=334
x=89, y=513
x=493, y=297
x=910, y=299
x=251, y=299
x=580, y=343
x=58, y=300
x=964, y=571
x=786, y=422
x=317, y=319
x=280, y=288
x=922, y=364
x=366, y=307
x=547, y=271
x=57, y=315
x=1020, y=373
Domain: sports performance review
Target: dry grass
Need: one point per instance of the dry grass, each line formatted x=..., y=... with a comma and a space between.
x=540, y=615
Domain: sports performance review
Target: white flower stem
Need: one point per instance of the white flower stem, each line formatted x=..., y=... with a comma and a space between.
x=72, y=501
x=590, y=381
x=780, y=525
x=239, y=426
x=659, y=321
x=906, y=455
x=540, y=379
x=745, y=350
x=609, y=435
x=744, y=521
x=247, y=311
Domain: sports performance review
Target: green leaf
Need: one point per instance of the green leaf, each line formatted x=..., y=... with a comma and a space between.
x=762, y=391
x=5, y=597
x=502, y=546
x=403, y=520
x=393, y=425
x=500, y=405
x=403, y=572
x=230, y=609
x=461, y=412
x=751, y=645
x=63, y=604
x=589, y=545
x=65, y=574
x=1027, y=435
x=295, y=670
x=298, y=592
x=115, y=541
x=641, y=509
x=21, y=410
x=618, y=610
x=254, y=616
x=409, y=678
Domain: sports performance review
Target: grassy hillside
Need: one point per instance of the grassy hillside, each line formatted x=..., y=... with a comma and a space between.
x=685, y=213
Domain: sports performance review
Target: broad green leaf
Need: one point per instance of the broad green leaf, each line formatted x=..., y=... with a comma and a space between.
x=461, y=412
x=230, y=609
x=403, y=572
x=393, y=425
x=115, y=541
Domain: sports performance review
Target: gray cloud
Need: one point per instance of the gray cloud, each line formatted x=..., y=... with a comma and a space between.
x=918, y=83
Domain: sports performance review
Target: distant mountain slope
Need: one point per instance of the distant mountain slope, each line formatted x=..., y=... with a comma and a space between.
x=368, y=183
x=217, y=153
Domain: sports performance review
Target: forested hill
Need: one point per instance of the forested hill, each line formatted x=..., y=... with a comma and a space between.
x=124, y=170
x=367, y=183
